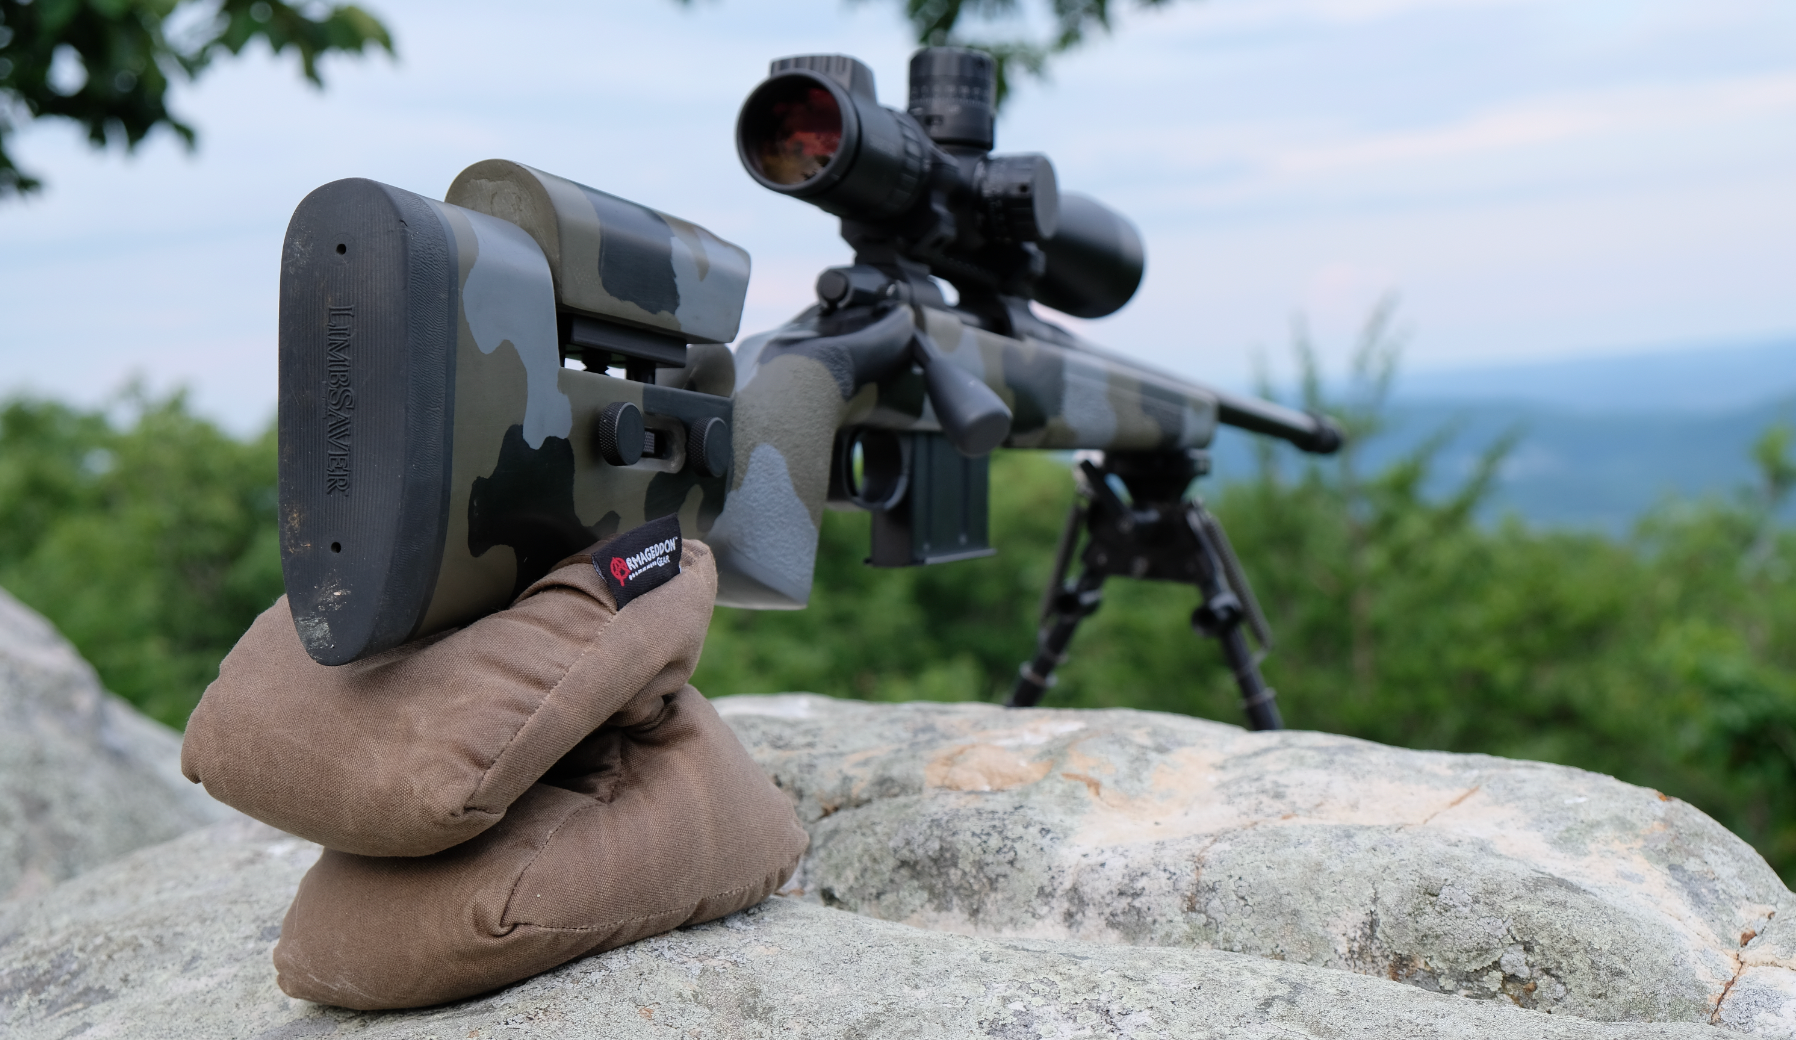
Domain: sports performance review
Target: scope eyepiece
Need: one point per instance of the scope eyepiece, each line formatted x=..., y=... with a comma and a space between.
x=814, y=129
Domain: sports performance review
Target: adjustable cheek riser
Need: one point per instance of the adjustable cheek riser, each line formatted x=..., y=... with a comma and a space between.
x=435, y=455
x=636, y=281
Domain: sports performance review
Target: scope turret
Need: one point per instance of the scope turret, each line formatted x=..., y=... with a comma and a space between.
x=953, y=96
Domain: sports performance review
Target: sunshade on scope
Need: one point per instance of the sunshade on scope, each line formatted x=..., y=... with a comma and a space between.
x=814, y=130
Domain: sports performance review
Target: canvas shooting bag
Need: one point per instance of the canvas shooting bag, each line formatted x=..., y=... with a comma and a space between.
x=539, y=785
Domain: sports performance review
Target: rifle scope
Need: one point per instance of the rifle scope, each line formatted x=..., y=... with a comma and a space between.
x=920, y=184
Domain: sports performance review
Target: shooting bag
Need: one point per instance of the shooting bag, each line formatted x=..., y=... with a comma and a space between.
x=659, y=819
x=539, y=785
x=422, y=747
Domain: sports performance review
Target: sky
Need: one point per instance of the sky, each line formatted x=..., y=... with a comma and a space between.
x=1534, y=179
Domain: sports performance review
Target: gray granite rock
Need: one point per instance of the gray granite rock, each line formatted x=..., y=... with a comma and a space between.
x=174, y=941
x=84, y=778
x=1762, y=999
x=1549, y=887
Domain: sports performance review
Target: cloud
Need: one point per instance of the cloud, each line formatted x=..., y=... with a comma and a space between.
x=1662, y=109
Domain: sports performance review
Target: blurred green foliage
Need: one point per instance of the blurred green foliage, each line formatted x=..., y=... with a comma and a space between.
x=145, y=533
x=108, y=64
x=1667, y=658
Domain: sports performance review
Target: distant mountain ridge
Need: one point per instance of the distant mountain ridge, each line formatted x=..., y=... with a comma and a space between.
x=1601, y=440
x=1720, y=378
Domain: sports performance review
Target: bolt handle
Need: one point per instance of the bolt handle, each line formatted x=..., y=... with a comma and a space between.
x=974, y=418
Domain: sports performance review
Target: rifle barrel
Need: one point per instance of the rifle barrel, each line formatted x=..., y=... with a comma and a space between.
x=1317, y=434
x=1309, y=431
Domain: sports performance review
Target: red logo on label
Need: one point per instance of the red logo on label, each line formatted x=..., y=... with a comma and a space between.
x=620, y=569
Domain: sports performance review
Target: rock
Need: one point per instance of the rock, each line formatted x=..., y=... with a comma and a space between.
x=174, y=940
x=84, y=778
x=1763, y=997
x=1557, y=889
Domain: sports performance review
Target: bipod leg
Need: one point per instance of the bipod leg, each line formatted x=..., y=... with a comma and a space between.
x=1035, y=677
x=1073, y=604
x=1223, y=614
x=1258, y=700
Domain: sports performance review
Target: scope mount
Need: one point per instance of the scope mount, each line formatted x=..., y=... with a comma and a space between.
x=606, y=344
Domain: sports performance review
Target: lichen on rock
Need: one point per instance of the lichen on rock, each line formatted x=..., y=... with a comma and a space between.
x=174, y=941
x=1544, y=886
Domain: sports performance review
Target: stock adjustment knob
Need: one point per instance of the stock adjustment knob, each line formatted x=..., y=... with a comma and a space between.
x=619, y=434
x=708, y=447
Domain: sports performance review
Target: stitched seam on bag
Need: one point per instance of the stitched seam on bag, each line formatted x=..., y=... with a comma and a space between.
x=591, y=645
x=549, y=840
x=626, y=920
x=544, y=847
x=550, y=696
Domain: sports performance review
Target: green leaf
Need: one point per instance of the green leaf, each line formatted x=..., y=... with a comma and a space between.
x=131, y=61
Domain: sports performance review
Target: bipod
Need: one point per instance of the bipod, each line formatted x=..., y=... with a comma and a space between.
x=1158, y=535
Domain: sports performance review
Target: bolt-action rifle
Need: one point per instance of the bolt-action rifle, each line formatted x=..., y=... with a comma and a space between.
x=450, y=427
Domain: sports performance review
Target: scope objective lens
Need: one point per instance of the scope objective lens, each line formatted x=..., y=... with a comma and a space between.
x=802, y=133
x=796, y=133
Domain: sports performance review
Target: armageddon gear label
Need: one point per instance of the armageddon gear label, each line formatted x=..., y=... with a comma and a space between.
x=640, y=559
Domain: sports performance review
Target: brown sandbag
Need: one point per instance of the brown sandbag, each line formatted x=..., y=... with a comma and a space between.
x=646, y=826
x=425, y=746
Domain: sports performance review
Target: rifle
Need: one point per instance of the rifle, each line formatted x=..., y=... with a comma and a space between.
x=439, y=451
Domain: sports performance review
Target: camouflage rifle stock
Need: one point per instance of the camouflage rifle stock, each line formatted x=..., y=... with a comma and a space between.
x=438, y=453
x=435, y=454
